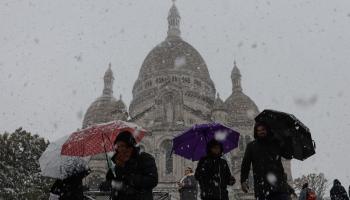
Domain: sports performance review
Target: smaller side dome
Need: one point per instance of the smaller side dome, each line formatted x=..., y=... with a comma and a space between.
x=106, y=108
x=241, y=107
x=219, y=104
x=120, y=105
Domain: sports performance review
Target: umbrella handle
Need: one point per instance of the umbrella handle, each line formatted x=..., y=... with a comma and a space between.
x=104, y=146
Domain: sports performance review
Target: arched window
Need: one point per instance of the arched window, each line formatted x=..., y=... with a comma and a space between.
x=168, y=162
x=169, y=108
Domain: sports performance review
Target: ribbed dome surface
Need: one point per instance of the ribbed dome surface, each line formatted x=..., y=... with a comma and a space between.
x=241, y=106
x=219, y=104
x=175, y=55
x=105, y=109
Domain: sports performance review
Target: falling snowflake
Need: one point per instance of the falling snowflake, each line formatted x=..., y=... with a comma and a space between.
x=216, y=184
x=220, y=135
x=271, y=178
x=78, y=58
x=251, y=114
x=180, y=61
x=306, y=102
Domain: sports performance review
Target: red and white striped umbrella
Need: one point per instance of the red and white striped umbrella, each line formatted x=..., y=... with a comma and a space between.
x=99, y=138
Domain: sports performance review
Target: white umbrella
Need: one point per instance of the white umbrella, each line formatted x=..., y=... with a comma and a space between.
x=55, y=165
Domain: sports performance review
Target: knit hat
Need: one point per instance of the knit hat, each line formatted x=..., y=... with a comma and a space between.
x=126, y=137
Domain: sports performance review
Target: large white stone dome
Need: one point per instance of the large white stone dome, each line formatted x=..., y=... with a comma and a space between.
x=173, y=63
x=175, y=55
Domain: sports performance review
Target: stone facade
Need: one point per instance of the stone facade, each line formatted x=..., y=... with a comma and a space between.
x=173, y=92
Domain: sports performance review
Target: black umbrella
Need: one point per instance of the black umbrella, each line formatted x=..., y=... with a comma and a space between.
x=292, y=133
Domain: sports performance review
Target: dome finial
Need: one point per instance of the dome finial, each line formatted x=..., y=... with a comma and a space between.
x=236, y=78
x=174, y=21
x=108, y=81
x=218, y=103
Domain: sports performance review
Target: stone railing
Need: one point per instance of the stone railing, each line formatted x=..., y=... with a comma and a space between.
x=99, y=195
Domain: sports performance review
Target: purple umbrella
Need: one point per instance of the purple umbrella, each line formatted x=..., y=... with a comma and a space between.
x=192, y=143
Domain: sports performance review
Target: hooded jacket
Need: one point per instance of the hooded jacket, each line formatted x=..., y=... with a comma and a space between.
x=264, y=154
x=213, y=175
x=338, y=192
x=71, y=187
x=135, y=180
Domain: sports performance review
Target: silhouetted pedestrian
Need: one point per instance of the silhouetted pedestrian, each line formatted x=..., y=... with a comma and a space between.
x=213, y=173
x=264, y=154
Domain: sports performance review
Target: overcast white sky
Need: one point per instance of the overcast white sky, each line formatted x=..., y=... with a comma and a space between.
x=293, y=56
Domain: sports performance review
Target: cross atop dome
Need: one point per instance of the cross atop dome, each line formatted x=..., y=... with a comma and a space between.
x=174, y=22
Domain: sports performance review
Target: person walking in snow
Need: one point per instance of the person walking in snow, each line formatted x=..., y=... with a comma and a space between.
x=304, y=191
x=264, y=154
x=338, y=192
x=307, y=193
x=188, y=185
x=135, y=173
x=70, y=187
x=213, y=173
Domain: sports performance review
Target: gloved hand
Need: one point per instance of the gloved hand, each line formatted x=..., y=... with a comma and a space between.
x=245, y=187
x=117, y=185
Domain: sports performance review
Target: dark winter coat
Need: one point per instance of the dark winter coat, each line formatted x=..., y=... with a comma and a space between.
x=189, y=189
x=338, y=192
x=70, y=188
x=265, y=157
x=138, y=177
x=213, y=175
